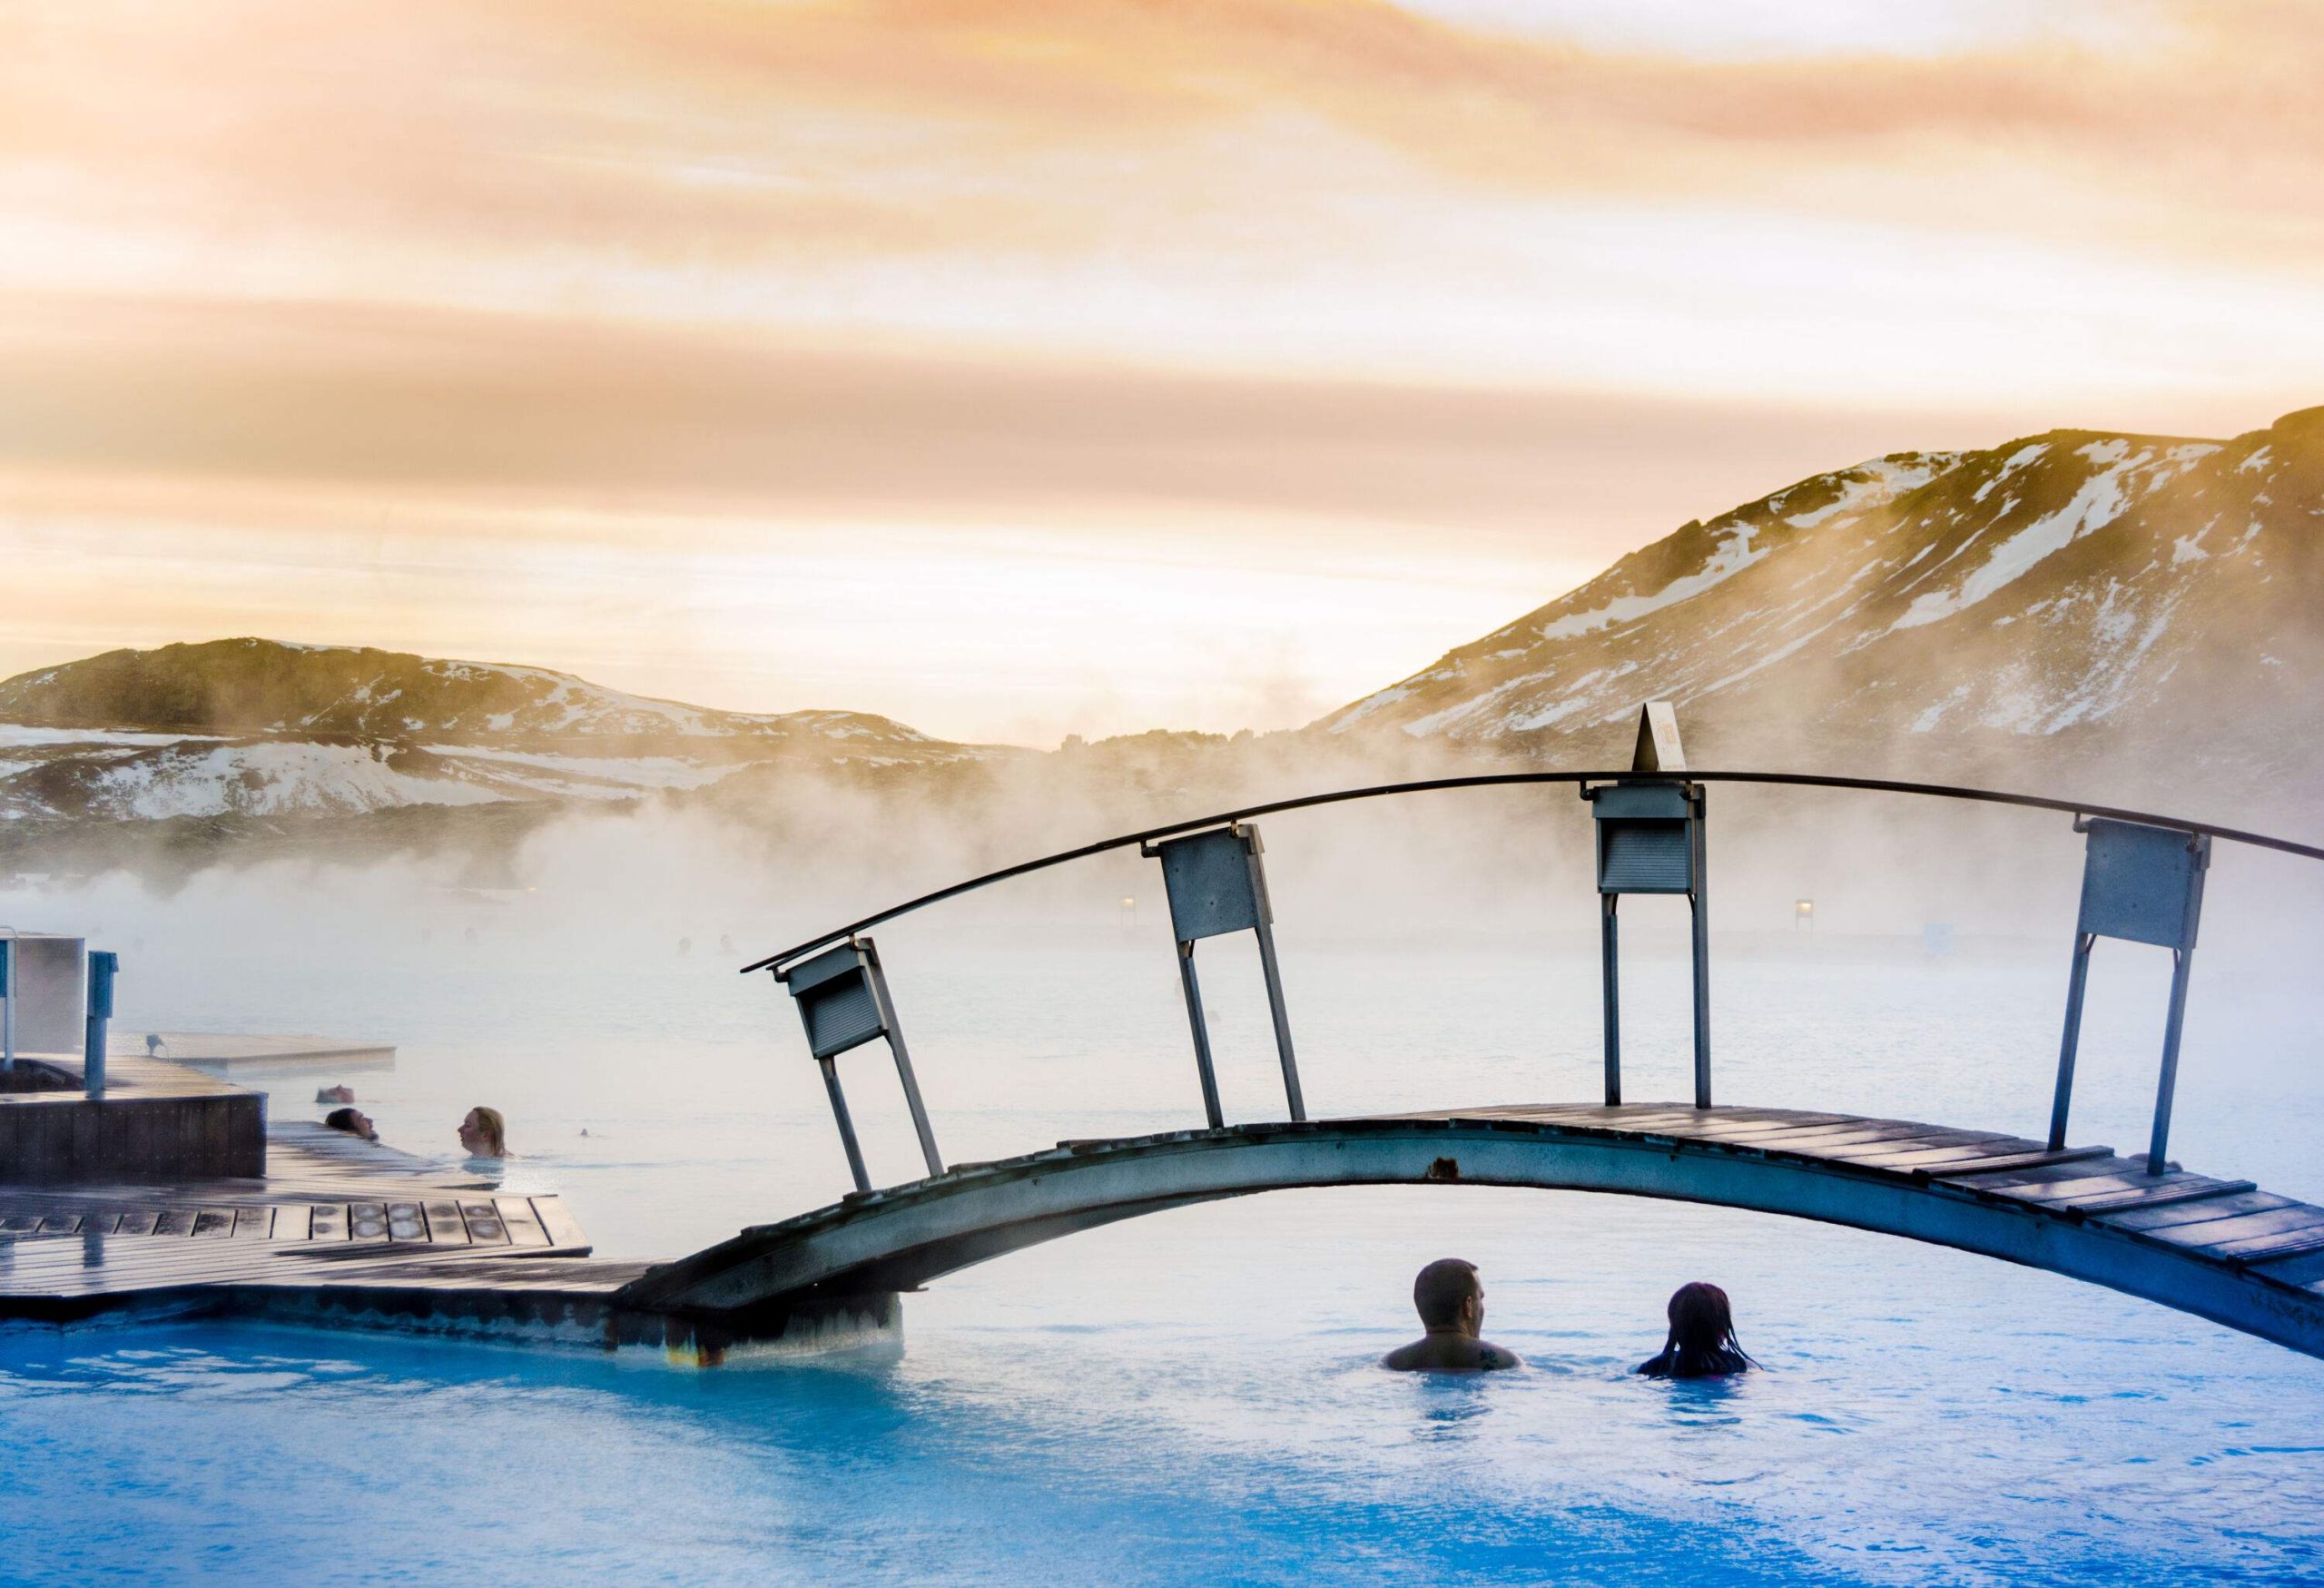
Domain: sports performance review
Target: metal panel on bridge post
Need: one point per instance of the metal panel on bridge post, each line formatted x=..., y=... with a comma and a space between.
x=2141, y=884
x=1217, y=885
x=842, y=999
x=1650, y=840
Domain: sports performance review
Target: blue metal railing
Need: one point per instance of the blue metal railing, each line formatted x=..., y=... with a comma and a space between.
x=2142, y=880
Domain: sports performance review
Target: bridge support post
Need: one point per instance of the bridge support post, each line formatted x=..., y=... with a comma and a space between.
x=1201, y=1030
x=1650, y=840
x=2181, y=964
x=843, y=1003
x=2142, y=884
x=2071, y=1043
x=1698, y=921
x=854, y=1149
x=1609, y=983
x=1273, y=976
x=1217, y=884
x=927, y=1153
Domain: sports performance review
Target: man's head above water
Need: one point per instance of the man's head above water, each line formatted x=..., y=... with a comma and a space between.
x=1451, y=1301
x=1449, y=1296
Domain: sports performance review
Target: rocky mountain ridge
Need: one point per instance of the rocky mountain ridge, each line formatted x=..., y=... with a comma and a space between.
x=2060, y=598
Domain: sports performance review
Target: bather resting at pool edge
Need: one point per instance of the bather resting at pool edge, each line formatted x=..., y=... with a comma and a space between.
x=1701, y=1343
x=1451, y=1301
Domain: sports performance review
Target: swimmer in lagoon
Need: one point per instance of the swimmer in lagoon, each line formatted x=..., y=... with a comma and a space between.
x=1701, y=1343
x=1451, y=1301
x=354, y=1122
x=483, y=1133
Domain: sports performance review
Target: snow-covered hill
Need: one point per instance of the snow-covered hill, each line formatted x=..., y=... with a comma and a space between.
x=270, y=686
x=259, y=728
x=2063, y=594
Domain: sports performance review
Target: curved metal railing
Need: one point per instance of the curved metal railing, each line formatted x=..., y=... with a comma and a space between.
x=2142, y=881
x=1515, y=779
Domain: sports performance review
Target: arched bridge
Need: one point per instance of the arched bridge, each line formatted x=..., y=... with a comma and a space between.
x=2218, y=1247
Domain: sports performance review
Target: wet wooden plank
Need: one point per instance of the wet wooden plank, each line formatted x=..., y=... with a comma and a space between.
x=1961, y=1142
x=326, y=1221
x=1823, y=1142
x=483, y=1221
x=444, y=1225
x=1971, y=1172
x=562, y=1229
x=1970, y=1151
x=2203, y=1212
x=1732, y=1127
x=406, y=1222
x=517, y=1217
x=213, y=1221
x=2196, y=1190
x=2227, y=1235
x=2097, y=1189
x=293, y=1221
x=2264, y=1249
x=254, y=1223
x=2097, y=1177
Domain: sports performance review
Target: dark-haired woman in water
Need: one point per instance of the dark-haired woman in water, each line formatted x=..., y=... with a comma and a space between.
x=1701, y=1343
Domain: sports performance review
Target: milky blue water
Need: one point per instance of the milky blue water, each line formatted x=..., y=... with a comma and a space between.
x=1191, y=1397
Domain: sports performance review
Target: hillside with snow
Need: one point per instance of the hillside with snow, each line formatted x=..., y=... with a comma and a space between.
x=253, y=727
x=2053, y=602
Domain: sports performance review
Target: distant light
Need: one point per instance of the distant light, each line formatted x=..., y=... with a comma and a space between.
x=1129, y=902
x=1805, y=908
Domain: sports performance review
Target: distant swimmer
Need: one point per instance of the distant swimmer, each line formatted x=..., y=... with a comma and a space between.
x=353, y=1121
x=335, y=1094
x=1701, y=1343
x=1450, y=1299
x=483, y=1133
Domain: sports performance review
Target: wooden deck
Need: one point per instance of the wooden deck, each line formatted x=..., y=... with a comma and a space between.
x=348, y=1233
x=333, y=1213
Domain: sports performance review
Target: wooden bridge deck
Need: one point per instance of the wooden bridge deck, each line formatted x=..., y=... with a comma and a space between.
x=2220, y=1248
x=2232, y=1221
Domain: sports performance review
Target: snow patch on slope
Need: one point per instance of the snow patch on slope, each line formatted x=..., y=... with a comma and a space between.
x=1866, y=485
x=2103, y=498
x=268, y=780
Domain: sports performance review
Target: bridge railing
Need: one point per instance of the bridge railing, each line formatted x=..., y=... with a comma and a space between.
x=2142, y=881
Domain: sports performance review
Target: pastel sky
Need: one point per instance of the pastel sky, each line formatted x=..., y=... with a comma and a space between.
x=1024, y=367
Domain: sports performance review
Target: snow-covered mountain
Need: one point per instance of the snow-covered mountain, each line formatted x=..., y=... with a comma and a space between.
x=258, y=727
x=2062, y=595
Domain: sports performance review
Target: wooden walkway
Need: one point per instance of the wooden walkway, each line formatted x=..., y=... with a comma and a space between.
x=2220, y=1248
x=333, y=1214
